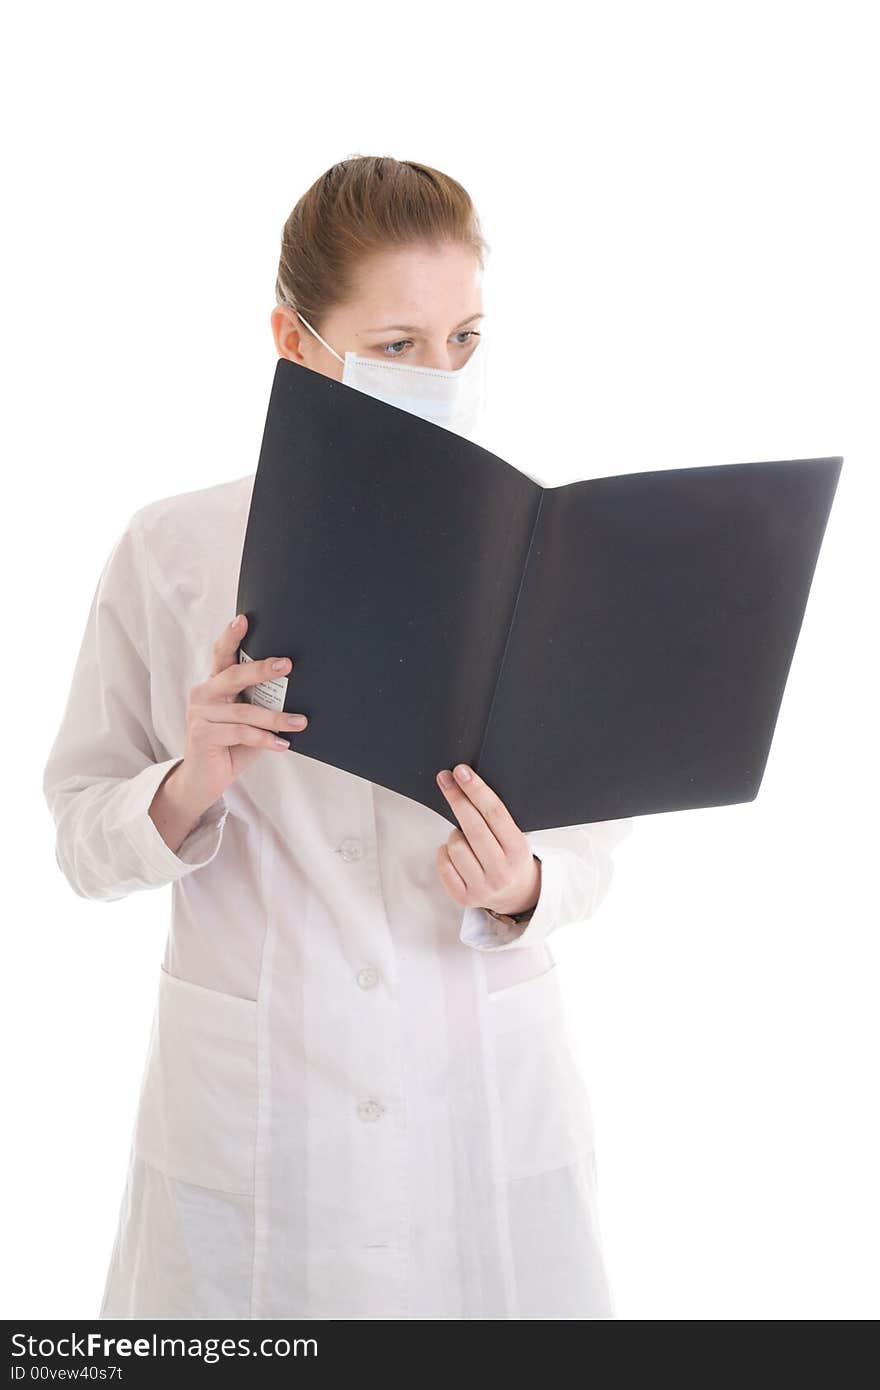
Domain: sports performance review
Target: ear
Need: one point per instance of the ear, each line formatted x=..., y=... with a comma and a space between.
x=287, y=333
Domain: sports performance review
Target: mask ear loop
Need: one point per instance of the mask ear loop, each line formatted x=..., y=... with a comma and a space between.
x=318, y=336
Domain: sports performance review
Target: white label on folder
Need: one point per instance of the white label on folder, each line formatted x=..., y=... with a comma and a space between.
x=269, y=694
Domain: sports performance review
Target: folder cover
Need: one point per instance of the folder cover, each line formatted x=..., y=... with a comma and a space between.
x=607, y=648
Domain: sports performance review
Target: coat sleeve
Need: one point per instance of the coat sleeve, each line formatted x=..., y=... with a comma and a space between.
x=106, y=762
x=576, y=872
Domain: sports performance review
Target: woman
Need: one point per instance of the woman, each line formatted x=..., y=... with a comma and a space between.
x=360, y=1098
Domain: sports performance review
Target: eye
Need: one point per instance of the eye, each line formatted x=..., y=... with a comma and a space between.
x=466, y=333
x=401, y=342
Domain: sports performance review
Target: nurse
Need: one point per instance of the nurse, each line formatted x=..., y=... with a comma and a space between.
x=360, y=1096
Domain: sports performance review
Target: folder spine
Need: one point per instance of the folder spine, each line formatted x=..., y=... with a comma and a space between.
x=501, y=665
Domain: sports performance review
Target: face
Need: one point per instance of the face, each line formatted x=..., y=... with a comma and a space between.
x=420, y=305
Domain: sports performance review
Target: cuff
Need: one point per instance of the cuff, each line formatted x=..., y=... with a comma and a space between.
x=200, y=845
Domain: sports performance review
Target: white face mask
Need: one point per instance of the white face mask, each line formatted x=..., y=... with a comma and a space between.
x=453, y=399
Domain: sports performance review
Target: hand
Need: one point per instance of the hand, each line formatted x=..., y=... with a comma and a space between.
x=488, y=862
x=224, y=735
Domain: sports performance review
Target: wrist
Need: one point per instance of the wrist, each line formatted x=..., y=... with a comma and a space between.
x=181, y=796
x=512, y=914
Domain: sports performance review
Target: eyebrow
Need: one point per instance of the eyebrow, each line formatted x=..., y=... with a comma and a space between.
x=413, y=328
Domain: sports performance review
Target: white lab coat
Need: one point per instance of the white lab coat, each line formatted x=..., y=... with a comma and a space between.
x=359, y=1100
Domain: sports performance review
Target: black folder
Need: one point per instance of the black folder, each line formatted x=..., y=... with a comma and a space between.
x=606, y=648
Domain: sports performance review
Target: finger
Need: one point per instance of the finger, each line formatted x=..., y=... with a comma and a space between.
x=207, y=733
x=246, y=713
x=480, y=810
x=469, y=866
x=476, y=830
x=227, y=644
x=452, y=879
x=240, y=675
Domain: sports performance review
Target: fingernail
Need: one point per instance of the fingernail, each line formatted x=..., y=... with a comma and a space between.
x=463, y=773
x=235, y=620
x=446, y=779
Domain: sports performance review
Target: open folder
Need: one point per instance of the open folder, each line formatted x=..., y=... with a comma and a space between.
x=606, y=648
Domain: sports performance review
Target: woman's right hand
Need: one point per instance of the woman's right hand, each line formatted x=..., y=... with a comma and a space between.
x=224, y=735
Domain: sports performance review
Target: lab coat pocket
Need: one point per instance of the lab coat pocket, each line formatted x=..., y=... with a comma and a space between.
x=546, y=1117
x=197, y=1113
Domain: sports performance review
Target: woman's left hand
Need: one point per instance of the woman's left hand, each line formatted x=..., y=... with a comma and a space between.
x=488, y=862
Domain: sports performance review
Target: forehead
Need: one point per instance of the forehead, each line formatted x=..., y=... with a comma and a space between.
x=425, y=288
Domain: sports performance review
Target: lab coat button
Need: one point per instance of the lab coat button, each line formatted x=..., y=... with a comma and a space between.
x=370, y=1109
x=368, y=977
x=350, y=849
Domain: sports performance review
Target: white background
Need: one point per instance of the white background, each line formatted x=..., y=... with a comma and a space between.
x=681, y=204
